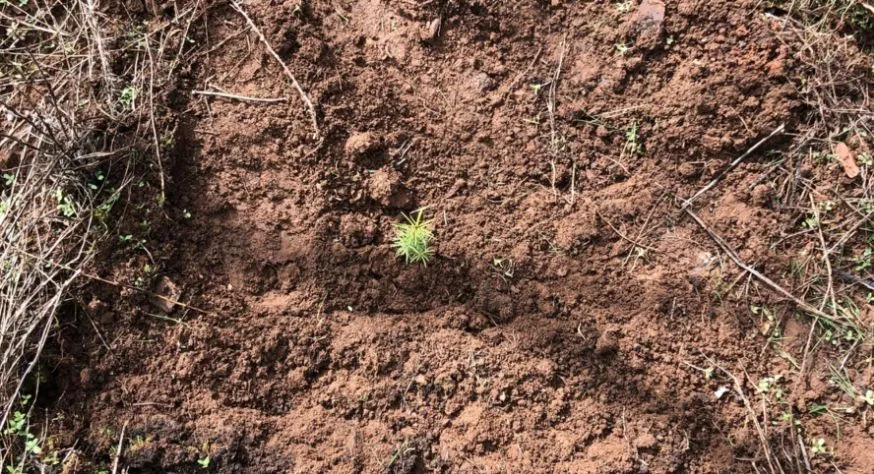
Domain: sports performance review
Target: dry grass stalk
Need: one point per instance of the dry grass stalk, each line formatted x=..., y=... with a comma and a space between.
x=62, y=115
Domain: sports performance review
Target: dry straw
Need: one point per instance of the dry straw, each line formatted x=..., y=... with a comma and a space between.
x=77, y=100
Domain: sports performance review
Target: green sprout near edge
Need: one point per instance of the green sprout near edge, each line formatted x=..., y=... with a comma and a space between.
x=412, y=238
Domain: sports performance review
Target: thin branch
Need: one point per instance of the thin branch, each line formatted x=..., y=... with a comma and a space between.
x=113, y=283
x=300, y=91
x=266, y=100
x=732, y=166
x=119, y=449
x=752, y=271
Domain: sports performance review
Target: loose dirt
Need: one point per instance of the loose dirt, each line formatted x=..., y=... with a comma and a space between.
x=565, y=322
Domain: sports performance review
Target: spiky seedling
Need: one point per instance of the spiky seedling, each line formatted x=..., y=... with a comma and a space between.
x=413, y=238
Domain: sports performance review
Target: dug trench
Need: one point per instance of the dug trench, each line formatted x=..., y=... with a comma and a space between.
x=555, y=328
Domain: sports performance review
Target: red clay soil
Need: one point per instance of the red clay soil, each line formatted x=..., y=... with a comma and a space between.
x=557, y=327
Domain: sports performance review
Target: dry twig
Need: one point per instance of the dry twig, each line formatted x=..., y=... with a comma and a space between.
x=732, y=166
x=752, y=271
x=303, y=95
x=225, y=95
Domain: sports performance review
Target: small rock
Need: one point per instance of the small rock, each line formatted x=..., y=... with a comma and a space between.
x=296, y=379
x=688, y=170
x=776, y=68
x=170, y=292
x=648, y=24
x=431, y=31
x=761, y=195
x=847, y=160
x=482, y=82
x=602, y=132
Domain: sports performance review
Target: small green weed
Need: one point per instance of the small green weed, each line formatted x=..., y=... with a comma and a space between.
x=204, y=460
x=413, y=238
x=65, y=203
x=128, y=97
x=18, y=426
x=139, y=443
x=860, y=17
x=622, y=48
x=818, y=446
x=632, y=140
x=624, y=6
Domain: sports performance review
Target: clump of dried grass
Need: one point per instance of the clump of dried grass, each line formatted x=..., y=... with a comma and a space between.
x=77, y=98
x=827, y=39
x=838, y=72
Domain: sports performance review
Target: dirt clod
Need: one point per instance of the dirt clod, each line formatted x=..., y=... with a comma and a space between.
x=607, y=344
x=645, y=441
x=360, y=143
x=165, y=288
x=385, y=187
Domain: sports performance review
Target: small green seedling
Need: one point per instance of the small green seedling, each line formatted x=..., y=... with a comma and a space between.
x=128, y=97
x=624, y=6
x=632, y=140
x=413, y=238
x=817, y=446
x=65, y=203
x=203, y=462
x=622, y=48
x=868, y=398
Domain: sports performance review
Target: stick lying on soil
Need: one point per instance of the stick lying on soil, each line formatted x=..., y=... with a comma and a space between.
x=266, y=100
x=89, y=276
x=739, y=389
x=300, y=91
x=752, y=271
x=118, y=449
x=732, y=166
